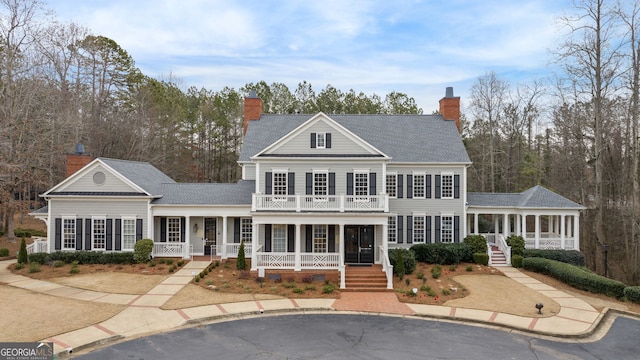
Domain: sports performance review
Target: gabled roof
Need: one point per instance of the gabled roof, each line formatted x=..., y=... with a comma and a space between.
x=143, y=174
x=207, y=193
x=536, y=197
x=404, y=138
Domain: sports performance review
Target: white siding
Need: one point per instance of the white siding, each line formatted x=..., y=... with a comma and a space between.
x=86, y=183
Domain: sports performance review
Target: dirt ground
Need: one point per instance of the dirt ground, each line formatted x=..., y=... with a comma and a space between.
x=112, y=282
x=22, y=221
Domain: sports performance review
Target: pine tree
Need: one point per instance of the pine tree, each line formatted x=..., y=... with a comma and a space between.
x=22, y=254
x=241, y=263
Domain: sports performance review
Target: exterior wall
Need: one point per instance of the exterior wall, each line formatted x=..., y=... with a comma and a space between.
x=111, y=183
x=248, y=171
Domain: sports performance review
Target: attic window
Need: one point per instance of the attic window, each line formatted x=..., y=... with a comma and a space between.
x=320, y=140
x=99, y=178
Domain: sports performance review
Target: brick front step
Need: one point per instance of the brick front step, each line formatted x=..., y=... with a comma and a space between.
x=365, y=278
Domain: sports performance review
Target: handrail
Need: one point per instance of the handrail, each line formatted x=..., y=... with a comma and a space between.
x=506, y=249
x=386, y=266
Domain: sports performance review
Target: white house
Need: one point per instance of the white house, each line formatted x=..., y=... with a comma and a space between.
x=317, y=192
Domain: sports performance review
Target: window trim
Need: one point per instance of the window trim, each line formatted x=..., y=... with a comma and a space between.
x=64, y=234
x=393, y=229
x=321, y=242
x=94, y=219
x=123, y=234
x=320, y=197
x=322, y=135
x=423, y=217
x=243, y=230
x=422, y=175
x=442, y=228
x=451, y=187
x=394, y=175
x=273, y=237
x=361, y=197
x=279, y=197
x=171, y=233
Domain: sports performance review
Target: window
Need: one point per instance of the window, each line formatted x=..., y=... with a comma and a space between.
x=392, y=229
x=418, y=228
x=319, y=238
x=361, y=181
x=320, y=183
x=69, y=233
x=279, y=238
x=173, y=229
x=392, y=185
x=98, y=232
x=446, y=229
x=280, y=183
x=418, y=185
x=128, y=233
x=447, y=186
x=320, y=141
x=246, y=230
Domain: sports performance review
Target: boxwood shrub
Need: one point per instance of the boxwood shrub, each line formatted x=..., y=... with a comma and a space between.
x=408, y=257
x=40, y=258
x=91, y=257
x=4, y=252
x=573, y=257
x=632, y=293
x=516, y=243
x=477, y=243
x=442, y=253
x=516, y=261
x=481, y=258
x=575, y=276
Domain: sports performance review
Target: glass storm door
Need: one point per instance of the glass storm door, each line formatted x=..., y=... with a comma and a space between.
x=209, y=235
x=358, y=244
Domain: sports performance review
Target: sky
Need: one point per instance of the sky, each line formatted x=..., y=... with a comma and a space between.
x=414, y=47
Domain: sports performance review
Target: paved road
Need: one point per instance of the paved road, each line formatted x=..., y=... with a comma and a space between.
x=341, y=336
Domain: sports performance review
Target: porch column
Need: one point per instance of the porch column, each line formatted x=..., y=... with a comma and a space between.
x=224, y=236
x=254, y=246
x=475, y=224
x=524, y=228
x=496, y=225
x=562, y=230
x=552, y=224
x=537, y=232
x=187, y=236
x=569, y=226
x=341, y=267
x=297, y=266
x=518, y=229
x=576, y=232
x=385, y=239
x=506, y=225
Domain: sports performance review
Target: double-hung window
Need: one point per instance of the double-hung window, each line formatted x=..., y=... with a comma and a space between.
x=446, y=229
x=320, y=185
x=419, y=186
x=280, y=184
x=68, y=233
x=392, y=229
x=173, y=229
x=279, y=237
x=418, y=228
x=447, y=186
x=128, y=233
x=392, y=185
x=319, y=238
x=246, y=230
x=321, y=142
x=361, y=185
x=98, y=233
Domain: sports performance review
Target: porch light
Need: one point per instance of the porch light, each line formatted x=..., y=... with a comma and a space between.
x=195, y=227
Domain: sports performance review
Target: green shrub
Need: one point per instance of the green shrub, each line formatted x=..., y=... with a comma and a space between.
x=18, y=266
x=40, y=258
x=180, y=263
x=420, y=275
x=142, y=250
x=469, y=268
x=516, y=243
x=481, y=258
x=34, y=268
x=442, y=253
x=27, y=233
x=4, y=252
x=408, y=258
x=22, y=254
x=575, y=276
x=436, y=271
x=241, y=263
x=74, y=269
x=328, y=288
x=632, y=293
x=446, y=292
x=516, y=261
x=477, y=243
x=297, y=290
x=91, y=257
x=58, y=264
x=573, y=257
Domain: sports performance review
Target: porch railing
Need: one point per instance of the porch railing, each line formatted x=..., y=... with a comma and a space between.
x=387, y=268
x=340, y=203
x=39, y=245
x=319, y=260
x=548, y=241
x=501, y=243
x=231, y=250
x=272, y=260
x=287, y=260
x=182, y=250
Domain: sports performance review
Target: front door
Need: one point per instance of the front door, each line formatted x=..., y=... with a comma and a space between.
x=358, y=244
x=209, y=235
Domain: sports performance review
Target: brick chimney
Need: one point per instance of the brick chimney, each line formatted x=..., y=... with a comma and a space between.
x=252, y=109
x=450, y=107
x=77, y=160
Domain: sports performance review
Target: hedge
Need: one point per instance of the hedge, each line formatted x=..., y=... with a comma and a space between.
x=516, y=261
x=90, y=257
x=477, y=243
x=516, y=243
x=28, y=232
x=481, y=258
x=442, y=253
x=573, y=257
x=408, y=257
x=632, y=293
x=4, y=252
x=575, y=276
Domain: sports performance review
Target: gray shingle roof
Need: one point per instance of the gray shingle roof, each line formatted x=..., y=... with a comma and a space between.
x=207, y=193
x=405, y=138
x=535, y=197
x=142, y=174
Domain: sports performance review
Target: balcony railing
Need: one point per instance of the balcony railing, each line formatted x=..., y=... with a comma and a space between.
x=339, y=203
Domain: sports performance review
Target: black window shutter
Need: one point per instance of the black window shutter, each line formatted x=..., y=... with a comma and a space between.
x=332, y=183
x=409, y=229
x=291, y=238
x=438, y=187
x=399, y=229
x=327, y=140
x=456, y=229
x=267, y=238
x=118, y=235
x=409, y=186
x=236, y=230
x=163, y=229
x=372, y=184
x=399, y=189
x=456, y=186
x=308, y=238
x=268, y=177
x=332, y=238
x=313, y=140
x=291, y=183
x=438, y=228
x=109, y=234
x=309, y=184
x=78, y=234
x=349, y=183
x=138, y=229
x=183, y=226
x=87, y=234
x=428, y=229
x=428, y=181
x=58, y=237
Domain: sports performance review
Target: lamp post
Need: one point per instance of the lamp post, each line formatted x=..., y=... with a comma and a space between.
x=605, y=248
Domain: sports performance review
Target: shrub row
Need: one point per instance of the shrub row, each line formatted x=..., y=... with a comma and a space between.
x=29, y=232
x=4, y=252
x=441, y=253
x=477, y=243
x=573, y=257
x=632, y=293
x=408, y=259
x=481, y=258
x=575, y=276
x=83, y=257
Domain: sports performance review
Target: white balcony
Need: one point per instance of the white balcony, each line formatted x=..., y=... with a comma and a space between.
x=306, y=203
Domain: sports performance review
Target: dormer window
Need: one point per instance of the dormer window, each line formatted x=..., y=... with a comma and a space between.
x=320, y=140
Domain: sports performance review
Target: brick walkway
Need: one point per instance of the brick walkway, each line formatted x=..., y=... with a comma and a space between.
x=378, y=302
